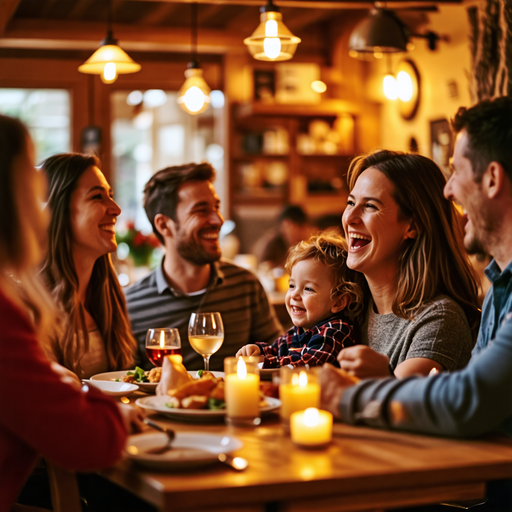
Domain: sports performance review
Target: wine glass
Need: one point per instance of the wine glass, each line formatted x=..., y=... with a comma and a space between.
x=162, y=342
x=206, y=334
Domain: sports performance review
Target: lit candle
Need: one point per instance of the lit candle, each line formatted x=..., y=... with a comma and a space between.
x=311, y=428
x=242, y=393
x=297, y=395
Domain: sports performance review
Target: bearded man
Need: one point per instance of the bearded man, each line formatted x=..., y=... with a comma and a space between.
x=184, y=210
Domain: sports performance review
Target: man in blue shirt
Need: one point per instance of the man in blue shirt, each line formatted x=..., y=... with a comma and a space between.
x=477, y=399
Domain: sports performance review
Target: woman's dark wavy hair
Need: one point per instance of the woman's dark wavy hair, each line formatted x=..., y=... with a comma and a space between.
x=434, y=262
x=104, y=300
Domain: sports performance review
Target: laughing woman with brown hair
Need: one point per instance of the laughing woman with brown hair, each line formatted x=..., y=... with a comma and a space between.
x=95, y=334
x=404, y=237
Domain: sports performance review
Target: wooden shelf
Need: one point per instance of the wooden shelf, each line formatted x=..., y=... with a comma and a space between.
x=328, y=108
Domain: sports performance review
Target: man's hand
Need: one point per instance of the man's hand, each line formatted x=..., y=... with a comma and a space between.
x=333, y=382
x=248, y=351
x=132, y=418
x=363, y=362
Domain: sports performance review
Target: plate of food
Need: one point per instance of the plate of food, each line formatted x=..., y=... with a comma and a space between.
x=189, y=449
x=146, y=380
x=163, y=405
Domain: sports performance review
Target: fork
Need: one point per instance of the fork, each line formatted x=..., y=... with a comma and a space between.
x=170, y=437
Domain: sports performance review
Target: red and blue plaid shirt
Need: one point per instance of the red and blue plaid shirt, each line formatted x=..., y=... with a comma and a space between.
x=316, y=346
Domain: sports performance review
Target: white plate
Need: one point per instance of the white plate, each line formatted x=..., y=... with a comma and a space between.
x=157, y=404
x=188, y=449
x=113, y=388
x=149, y=387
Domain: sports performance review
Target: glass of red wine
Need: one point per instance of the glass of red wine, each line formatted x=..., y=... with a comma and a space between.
x=162, y=342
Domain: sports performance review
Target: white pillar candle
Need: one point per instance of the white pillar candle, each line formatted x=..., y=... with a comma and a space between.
x=311, y=428
x=242, y=392
x=298, y=394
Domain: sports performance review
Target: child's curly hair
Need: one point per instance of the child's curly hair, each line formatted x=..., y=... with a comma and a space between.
x=331, y=250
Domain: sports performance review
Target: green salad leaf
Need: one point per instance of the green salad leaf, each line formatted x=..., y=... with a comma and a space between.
x=139, y=375
x=214, y=403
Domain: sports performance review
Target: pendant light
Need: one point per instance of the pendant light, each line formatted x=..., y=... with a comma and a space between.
x=109, y=60
x=272, y=41
x=194, y=95
x=380, y=32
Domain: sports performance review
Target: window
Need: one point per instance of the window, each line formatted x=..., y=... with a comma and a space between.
x=150, y=132
x=46, y=113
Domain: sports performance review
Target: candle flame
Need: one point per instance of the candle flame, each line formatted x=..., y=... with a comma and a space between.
x=303, y=379
x=241, y=369
x=311, y=416
x=434, y=371
x=162, y=339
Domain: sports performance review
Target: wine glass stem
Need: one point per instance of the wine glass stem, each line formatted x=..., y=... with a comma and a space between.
x=206, y=363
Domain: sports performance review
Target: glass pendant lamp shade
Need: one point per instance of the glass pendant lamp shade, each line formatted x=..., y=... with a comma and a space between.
x=194, y=95
x=108, y=61
x=380, y=32
x=272, y=41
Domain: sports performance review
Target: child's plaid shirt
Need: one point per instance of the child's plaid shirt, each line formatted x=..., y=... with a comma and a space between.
x=314, y=347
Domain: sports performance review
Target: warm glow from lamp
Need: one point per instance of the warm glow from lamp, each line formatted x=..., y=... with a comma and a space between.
x=318, y=86
x=109, y=61
x=194, y=95
x=272, y=40
x=404, y=83
x=109, y=73
x=390, y=87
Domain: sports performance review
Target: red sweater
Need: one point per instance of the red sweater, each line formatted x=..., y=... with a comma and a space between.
x=79, y=430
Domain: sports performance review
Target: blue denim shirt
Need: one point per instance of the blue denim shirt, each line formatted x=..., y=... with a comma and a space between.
x=497, y=307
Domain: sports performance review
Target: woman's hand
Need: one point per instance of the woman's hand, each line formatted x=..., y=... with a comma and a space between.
x=363, y=362
x=248, y=351
x=332, y=384
x=66, y=375
x=132, y=418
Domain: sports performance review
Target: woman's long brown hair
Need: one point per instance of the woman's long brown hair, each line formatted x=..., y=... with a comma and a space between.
x=104, y=297
x=434, y=262
x=19, y=279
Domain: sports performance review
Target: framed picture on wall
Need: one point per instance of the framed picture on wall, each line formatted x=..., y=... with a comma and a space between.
x=441, y=144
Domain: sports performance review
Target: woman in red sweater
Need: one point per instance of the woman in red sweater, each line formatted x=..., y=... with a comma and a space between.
x=43, y=410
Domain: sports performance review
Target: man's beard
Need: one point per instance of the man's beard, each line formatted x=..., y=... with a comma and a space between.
x=193, y=251
x=474, y=246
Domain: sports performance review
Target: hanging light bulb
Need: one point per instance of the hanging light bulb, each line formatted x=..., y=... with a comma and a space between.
x=194, y=95
x=272, y=41
x=109, y=60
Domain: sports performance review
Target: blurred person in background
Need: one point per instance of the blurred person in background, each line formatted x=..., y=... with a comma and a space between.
x=292, y=227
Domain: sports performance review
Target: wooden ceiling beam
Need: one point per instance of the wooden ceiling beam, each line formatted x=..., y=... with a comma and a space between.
x=159, y=13
x=7, y=10
x=78, y=10
x=320, y=4
x=69, y=34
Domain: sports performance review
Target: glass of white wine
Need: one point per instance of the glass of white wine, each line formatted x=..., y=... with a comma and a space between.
x=206, y=334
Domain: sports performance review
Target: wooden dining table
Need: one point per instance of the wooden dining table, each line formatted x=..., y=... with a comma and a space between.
x=363, y=469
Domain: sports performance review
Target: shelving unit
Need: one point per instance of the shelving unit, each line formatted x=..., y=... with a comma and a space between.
x=290, y=154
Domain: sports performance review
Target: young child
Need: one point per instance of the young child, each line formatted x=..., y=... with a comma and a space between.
x=323, y=298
